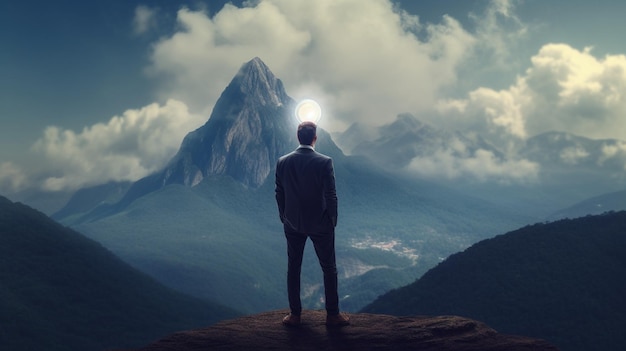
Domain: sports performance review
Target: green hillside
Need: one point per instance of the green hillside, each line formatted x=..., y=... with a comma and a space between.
x=561, y=281
x=62, y=291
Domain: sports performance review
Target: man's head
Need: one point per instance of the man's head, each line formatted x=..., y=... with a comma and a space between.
x=307, y=133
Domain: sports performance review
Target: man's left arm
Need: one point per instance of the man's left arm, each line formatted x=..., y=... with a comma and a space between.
x=280, y=195
x=330, y=192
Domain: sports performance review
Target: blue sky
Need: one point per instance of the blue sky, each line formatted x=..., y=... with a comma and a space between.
x=98, y=91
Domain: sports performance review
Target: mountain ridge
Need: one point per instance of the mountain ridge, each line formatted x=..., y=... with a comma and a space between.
x=560, y=281
x=63, y=291
x=614, y=201
x=537, y=176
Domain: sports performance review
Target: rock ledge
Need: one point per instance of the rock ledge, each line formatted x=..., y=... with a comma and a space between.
x=264, y=331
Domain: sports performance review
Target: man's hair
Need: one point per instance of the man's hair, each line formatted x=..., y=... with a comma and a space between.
x=306, y=133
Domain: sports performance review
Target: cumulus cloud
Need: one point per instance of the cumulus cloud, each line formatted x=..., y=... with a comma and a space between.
x=362, y=58
x=128, y=147
x=574, y=91
x=365, y=61
x=564, y=89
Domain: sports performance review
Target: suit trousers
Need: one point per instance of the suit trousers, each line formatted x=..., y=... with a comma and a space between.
x=324, y=244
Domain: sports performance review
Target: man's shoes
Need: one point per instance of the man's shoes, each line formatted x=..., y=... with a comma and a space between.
x=338, y=320
x=291, y=320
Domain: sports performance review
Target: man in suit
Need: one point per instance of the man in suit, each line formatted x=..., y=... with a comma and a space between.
x=307, y=205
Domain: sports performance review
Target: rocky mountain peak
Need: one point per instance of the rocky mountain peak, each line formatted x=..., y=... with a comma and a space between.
x=251, y=126
x=255, y=80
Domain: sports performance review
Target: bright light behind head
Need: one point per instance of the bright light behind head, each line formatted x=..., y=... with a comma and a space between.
x=308, y=111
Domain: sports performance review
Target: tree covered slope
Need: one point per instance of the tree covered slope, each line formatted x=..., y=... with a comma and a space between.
x=62, y=291
x=561, y=281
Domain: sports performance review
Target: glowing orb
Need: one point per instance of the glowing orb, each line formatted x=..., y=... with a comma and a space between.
x=308, y=111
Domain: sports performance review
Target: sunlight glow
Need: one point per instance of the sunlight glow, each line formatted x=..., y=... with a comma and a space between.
x=308, y=110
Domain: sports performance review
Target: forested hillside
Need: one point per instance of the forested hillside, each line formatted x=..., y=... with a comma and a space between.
x=62, y=291
x=561, y=281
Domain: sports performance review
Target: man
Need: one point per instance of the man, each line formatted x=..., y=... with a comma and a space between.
x=307, y=205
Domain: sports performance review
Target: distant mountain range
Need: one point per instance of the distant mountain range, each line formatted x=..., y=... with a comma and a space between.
x=62, y=291
x=595, y=205
x=396, y=144
x=561, y=281
x=207, y=224
x=571, y=168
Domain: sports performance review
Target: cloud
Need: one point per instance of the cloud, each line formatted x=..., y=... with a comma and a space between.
x=481, y=166
x=573, y=155
x=613, y=153
x=576, y=92
x=564, y=89
x=144, y=20
x=498, y=30
x=364, y=61
x=12, y=178
x=362, y=58
x=128, y=147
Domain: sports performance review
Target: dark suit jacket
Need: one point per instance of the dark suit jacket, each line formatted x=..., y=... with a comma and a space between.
x=305, y=191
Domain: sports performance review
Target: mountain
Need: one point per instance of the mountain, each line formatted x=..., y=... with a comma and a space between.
x=44, y=201
x=207, y=224
x=63, y=291
x=243, y=143
x=354, y=135
x=92, y=197
x=561, y=281
x=572, y=152
x=237, y=141
x=570, y=168
x=399, y=142
x=615, y=201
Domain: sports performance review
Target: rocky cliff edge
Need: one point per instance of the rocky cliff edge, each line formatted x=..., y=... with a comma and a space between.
x=264, y=331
